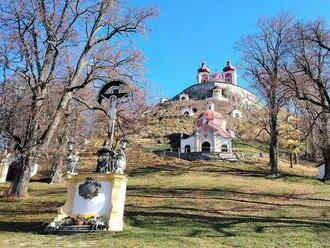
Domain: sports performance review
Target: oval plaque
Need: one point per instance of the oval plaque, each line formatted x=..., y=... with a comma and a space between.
x=89, y=189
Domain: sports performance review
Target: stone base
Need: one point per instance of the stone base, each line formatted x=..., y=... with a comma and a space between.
x=108, y=203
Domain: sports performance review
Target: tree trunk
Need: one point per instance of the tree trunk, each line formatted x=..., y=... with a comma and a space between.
x=327, y=166
x=58, y=159
x=273, y=157
x=56, y=176
x=295, y=158
x=66, y=98
x=312, y=151
x=19, y=186
x=291, y=160
x=325, y=144
x=273, y=152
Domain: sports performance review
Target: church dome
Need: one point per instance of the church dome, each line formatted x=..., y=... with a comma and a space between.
x=228, y=67
x=211, y=118
x=203, y=68
x=210, y=115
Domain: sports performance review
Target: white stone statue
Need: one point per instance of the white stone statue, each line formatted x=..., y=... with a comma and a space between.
x=72, y=163
x=120, y=161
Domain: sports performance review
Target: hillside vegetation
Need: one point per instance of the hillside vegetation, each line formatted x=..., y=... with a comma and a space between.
x=161, y=127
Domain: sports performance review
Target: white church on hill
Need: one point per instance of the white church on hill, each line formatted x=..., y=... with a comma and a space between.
x=211, y=133
x=218, y=87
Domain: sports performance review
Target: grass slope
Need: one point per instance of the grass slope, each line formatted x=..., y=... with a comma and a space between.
x=200, y=204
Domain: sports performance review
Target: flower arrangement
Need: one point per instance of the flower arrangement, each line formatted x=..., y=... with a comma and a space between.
x=95, y=222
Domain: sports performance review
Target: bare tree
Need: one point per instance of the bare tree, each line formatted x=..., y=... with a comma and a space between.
x=309, y=77
x=263, y=56
x=69, y=43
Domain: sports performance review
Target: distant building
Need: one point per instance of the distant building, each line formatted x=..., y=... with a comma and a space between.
x=236, y=113
x=211, y=133
x=188, y=110
x=218, y=87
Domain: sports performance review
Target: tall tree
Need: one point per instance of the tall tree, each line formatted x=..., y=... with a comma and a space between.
x=263, y=56
x=309, y=77
x=68, y=43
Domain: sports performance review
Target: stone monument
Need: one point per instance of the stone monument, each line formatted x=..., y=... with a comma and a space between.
x=5, y=161
x=96, y=200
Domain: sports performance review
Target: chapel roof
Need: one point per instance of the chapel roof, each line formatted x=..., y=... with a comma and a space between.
x=210, y=128
x=228, y=67
x=210, y=115
x=203, y=68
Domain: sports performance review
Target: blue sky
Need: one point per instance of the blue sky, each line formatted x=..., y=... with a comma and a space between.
x=189, y=31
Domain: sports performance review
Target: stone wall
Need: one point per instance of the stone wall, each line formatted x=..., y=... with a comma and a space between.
x=226, y=156
x=205, y=90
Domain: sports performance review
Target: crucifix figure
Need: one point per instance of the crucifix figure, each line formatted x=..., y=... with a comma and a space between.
x=112, y=91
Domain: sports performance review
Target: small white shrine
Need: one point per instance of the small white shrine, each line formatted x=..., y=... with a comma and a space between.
x=211, y=133
x=321, y=170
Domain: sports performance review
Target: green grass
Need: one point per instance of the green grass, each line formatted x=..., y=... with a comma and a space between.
x=207, y=204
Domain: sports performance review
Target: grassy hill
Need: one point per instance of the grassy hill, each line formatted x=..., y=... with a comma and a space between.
x=190, y=204
x=175, y=203
x=164, y=123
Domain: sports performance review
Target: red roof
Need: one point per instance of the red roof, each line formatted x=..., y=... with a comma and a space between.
x=210, y=128
x=210, y=115
x=228, y=67
x=203, y=68
x=212, y=119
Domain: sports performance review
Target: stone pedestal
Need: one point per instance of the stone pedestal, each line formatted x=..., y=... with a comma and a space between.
x=108, y=203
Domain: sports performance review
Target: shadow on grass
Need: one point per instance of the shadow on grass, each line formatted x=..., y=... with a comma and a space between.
x=225, y=225
x=26, y=212
x=148, y=170
x=168, y=169
x=214, y=192
x=31, y=227
x=47, y=192
x=262, y=172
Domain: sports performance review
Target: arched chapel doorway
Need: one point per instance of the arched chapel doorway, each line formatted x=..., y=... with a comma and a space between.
x=187, y=149
x=206, y=147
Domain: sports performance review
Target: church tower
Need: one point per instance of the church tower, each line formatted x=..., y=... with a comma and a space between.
x=229, y=73
x=203, y=74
